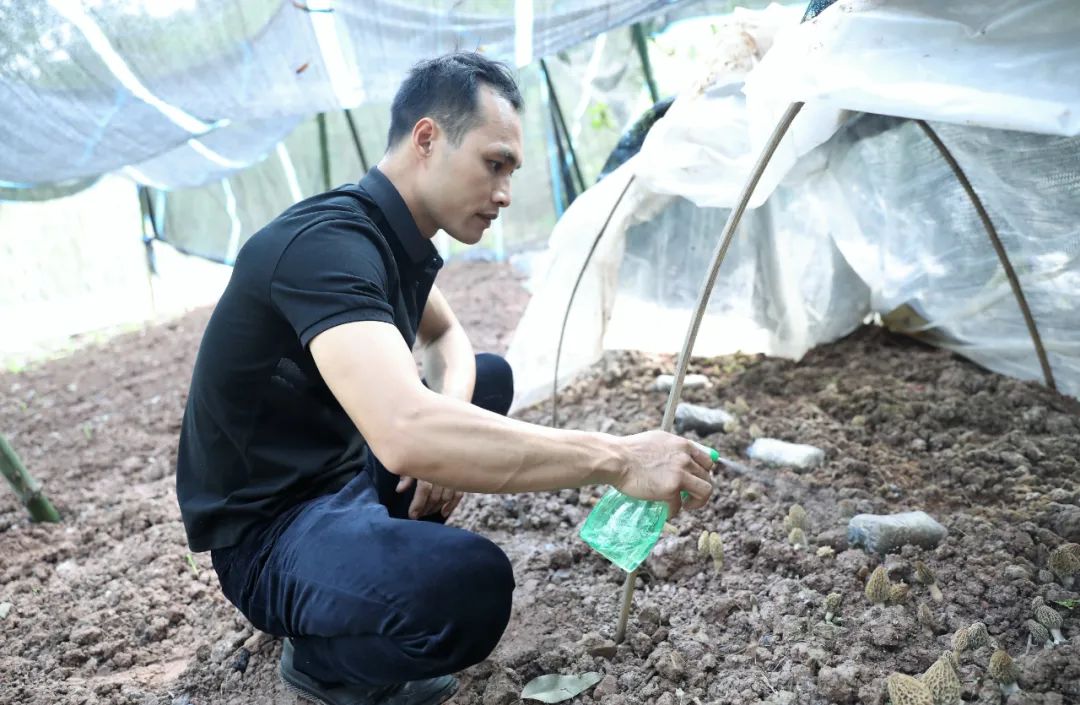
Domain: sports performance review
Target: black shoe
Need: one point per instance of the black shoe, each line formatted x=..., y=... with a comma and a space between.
x=431, y=691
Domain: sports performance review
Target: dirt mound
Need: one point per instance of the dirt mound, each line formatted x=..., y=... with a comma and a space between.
x=108, y=607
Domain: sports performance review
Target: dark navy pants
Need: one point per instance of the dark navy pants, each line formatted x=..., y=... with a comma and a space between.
x=367, y=595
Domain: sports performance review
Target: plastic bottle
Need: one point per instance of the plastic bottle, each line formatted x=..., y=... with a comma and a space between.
x=623, y=529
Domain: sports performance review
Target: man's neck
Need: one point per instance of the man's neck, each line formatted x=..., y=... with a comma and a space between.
x=403, y=179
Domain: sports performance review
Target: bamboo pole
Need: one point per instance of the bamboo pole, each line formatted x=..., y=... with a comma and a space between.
x=999, y=250
x=638, y=33
x=324, y=150
x=26, y=488
x=699, y=312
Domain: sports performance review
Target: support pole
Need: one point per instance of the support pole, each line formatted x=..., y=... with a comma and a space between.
x=638, y=33
x=562, y=124
x=1002, y=256
x=26, y=488
x=324, y=150
x=356, y=140
x=699, y=312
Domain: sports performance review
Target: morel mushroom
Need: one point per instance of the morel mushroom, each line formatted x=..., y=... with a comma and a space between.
x=1004, y=671
x=832, y=606
x=1039, y=634
x=905, y=690
x=941, y=680
x=1064, y=564
x=878, y=587
x=926, y=576
x=1049, y=618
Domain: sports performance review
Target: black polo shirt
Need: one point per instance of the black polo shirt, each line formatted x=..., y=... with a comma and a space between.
x=261, y=430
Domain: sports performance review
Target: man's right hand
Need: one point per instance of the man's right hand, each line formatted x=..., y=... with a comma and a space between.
x=661, y=465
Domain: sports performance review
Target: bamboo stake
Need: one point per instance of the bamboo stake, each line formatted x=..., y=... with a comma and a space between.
x=26, y=488
x=699, y=312
x=999, y=250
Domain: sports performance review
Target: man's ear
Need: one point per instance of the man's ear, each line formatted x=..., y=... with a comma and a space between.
x=424, y=133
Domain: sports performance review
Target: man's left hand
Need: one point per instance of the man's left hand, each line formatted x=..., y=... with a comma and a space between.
x=429, y=498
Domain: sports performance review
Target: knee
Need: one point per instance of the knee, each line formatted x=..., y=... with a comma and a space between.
x=474, y=597
x=494, y=389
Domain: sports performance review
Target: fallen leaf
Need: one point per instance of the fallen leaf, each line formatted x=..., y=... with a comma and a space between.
x=553, y=688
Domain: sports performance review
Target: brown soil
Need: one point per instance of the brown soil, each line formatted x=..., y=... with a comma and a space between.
x=106, y=607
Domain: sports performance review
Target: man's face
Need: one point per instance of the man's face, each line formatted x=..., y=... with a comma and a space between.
x=469, y=183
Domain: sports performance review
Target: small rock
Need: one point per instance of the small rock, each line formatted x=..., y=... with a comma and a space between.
x=560, y=558
x=836, y=539
x=670, y=664
x=664, y=383
x=240, y=663
x=123, y=659
x=5, y=608
x=672, y=555
x=641, y=643
x=666, y=699
x=1016, y=572
x=85, y=634
x=702, y=419
x=501, y=689
x=596, y=645
x=838, y=685
x=607, y=686
x=1065, y=521
x=781, y=697
x=887, y=533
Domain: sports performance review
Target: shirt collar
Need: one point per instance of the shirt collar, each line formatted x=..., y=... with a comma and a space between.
x=390, y=202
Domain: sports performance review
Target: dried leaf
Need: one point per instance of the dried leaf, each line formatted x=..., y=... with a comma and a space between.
x=553, y=688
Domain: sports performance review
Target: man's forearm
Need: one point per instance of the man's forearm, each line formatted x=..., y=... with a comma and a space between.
x=450, y=364
x=464, y=447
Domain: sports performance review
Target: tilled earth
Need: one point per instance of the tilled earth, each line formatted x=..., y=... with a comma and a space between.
x=108, y=607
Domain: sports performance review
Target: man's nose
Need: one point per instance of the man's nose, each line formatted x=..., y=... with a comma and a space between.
x=502, y=196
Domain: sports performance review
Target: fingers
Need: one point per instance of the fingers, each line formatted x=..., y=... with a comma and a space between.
x=699, y=490
x=430, y=499
x=701, y=456
x=450, y=506
x=419, y=505
x=674, y=506
x=403, y=484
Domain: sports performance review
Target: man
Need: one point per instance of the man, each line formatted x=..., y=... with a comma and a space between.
x=310, y=444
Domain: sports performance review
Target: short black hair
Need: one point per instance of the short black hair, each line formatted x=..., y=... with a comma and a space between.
x=446, y=89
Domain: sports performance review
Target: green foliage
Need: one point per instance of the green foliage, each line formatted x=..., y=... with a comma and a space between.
x=600, y=117
x=1068, y=604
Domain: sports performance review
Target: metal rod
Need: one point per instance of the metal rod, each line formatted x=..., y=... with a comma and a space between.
x=638, y=33
x=570, y=302
x=562, y=122
x=356, y=140
x=324, y=149
x=999, y=248
x=26, y=488
x=699, y=312
x=569, y=187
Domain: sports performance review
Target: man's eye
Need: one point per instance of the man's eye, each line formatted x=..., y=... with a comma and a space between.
x=495, y=166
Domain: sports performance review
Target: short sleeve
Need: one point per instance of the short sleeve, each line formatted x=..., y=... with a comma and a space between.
x=330, y=274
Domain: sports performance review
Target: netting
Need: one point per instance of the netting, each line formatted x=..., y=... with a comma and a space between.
x=187, y=96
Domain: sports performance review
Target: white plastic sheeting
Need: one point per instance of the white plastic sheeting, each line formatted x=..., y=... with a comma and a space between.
x=869, y=219
x=1008, y=64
